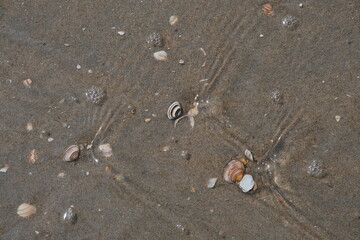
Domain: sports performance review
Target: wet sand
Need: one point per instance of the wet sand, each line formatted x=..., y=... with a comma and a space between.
x=262, y=86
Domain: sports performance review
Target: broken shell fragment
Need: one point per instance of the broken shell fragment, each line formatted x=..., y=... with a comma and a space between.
x=4, y=168
x=212, y=182
x=160, y=56
x=33, y=156
x=234, y=171
x=71, y=153
x=27, y=82
x=174, y=111
x=268, y=9
x=106, y=149
x=249, y=155
x=29, y=127
x=247, y=183
x=26, y=210
x=173, y=19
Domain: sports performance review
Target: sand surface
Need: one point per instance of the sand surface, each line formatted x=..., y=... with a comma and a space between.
x=262, y=86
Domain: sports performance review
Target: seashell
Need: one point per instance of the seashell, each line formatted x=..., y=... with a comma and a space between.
x=27, y=82
x=212, y=182
x=4, y=168
x=71, y=153
x=29, y=126
x=249, y=155
x=26, y=210
x=106, y=149
x=173, y=19
x=160, y=56
x=174, y=111
x=268, y=9
x=247, y=183
x=33, y=156
x=234, y=171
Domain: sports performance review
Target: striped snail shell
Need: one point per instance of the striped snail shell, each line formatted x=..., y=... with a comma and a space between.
x=71, y=153
x=234, y=171
x=174, y=111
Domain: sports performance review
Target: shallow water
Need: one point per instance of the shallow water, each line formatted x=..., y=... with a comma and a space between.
x=154, y=194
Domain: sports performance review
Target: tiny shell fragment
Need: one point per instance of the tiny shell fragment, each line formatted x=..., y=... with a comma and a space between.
x=26, y=210
x=4, y=168
x=160, y=56
x=249, y=155
x=173, y=19
x=147, y=120
x=268, y=9
x=29, y=127
x=212, y=182
x=337, y=118
x=33, y=156
x=247, y=183
x=27, y=82
x=106, y=149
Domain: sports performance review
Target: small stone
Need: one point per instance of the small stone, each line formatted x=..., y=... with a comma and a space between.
x=90, y=71
x=166, y=148
x=261, y=35
x=121, y=33
x=301, y=5
x=69, y=216
x=50, y=139
x=78, y=67
x=61, y=175
x=247, y=183
x=66, y=45
x=147, y=120
x=212, y=182
x=337, y=118
x=185, y=154
x=182, y=62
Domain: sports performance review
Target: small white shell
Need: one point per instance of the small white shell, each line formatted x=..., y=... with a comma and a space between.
x=173, y=19
x=174, y=111
x=106, y=149
x=25, y=210
x=247, y=183
x=71, y=153
x=212, y=182
x=161, y=56
x=249, y=155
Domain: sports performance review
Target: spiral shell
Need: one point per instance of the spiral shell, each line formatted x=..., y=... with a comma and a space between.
x=268, y=9
x=106, y=149
x=71, y=153
x=26, y=210
x=174, y=111
x=234, y=171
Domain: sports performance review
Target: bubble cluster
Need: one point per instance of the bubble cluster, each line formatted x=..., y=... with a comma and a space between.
x=289, y=21
x=95, y=95
x=69, y=216
x=185, y=154
x=276, y=96
x=155, y=39
x=316, y=168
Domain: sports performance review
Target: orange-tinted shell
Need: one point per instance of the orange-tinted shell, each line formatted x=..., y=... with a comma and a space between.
x=234, y=171
x=268, y=9
x=33, y=156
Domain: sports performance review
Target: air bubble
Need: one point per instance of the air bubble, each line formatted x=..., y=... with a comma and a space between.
x=316, y=168
x=95, y=95
x=289, y=21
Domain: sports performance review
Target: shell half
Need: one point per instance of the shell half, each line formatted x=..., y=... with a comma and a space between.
x=234, y=171
x=71, y=153
x=26, y=210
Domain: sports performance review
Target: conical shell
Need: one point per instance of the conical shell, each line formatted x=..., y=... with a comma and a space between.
x=72, y=153
x=234, y=171
x=106, y=149
x=26, y=210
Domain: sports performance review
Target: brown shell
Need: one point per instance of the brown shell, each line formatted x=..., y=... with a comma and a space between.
x=33, y=156
x=71, y=153
x=268, y=9
x=234, y=171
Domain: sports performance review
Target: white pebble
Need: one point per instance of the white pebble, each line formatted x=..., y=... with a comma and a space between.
x=50, y=139
x=247, y=183
x=337, y=118
x=78, y=67
x=182, y=62
x=261, y=35
x=121, y=33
